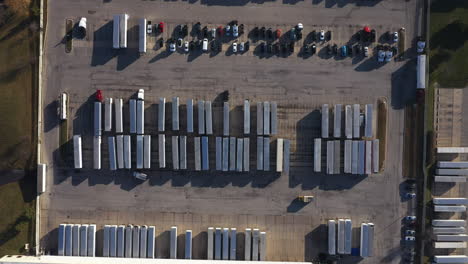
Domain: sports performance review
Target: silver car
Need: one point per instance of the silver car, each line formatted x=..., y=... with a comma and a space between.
x=241, y=47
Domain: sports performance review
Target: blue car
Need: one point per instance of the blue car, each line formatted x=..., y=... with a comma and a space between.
x=344, y=51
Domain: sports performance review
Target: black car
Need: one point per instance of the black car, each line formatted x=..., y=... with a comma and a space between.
x=270, y=33
x=329, y=50
x=328, y=35
x=306, y=49
x=388, y=36
x=350, y=50
x=262, y=48
x=313, y=49
x=269, y=48
x=197, y=27
x=313, y=35
x=184, y=30
x=291, y=47
x=276, y=48
x=241, y=29
x=372, y=35
x=246, y=46
x=191, y=45
x=335, y=49
x=262, y=32
x=205, y=32
x=161, y=42
x=179, y=42
x=358, y=49
x=255, y=32
x=299, y=35
x=213, y=46
x=284, y=48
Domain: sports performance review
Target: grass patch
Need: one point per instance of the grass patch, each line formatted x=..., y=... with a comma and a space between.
x=19, y=31
x=449, y=43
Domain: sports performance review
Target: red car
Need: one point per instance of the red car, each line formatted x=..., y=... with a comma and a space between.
x=161, y=27
x=99, y=96
x=220, y=31
x=278, y=33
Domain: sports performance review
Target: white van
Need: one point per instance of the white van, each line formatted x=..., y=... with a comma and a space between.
x=205, y=44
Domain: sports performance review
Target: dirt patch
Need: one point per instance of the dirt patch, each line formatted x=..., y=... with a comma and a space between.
x=382, y=113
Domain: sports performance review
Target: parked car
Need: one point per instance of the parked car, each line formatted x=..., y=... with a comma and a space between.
x=205, y=32
x=291, y=47
x=278, y=33
x=420, y=45
x=242, y=47
x=227, y=30
x=292, y=34
x=410, y=218
x=410, y=195
x=306, y=49
x=255, y=32
x=313, y=49
x=410, y=232
x=388, y=55
x=395, y=36
x=350, y=50
x=213, y=33
x=410, y=238
x=235, y=31
x=329, y=35
x=220, y=31
x=269, y=33
x=366, y=51
x=161, y=27
x=322, y=35
x=149, y=28
x=247, y=46
x=335, y=49
x=262, y=32
x=234, y=47
x=344, y=51
x=191, y=45
x=186, y=46
x=184, y=30
x=381, y=55
x=269, y=48
x=276, y=48
x=140, y=176
x=172, y=46
x=262, y=48
x=205, y=44
x=179, y=43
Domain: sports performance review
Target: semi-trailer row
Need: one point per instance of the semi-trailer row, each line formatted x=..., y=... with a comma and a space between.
x=222, y=244
x=76, y=240
x=353, y=121
x=232, y=154
x=267, y=116
x=360, y=156
x=339, y=239
x=128, y=241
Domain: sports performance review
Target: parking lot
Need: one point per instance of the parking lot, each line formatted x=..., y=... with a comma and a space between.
x=300, y=85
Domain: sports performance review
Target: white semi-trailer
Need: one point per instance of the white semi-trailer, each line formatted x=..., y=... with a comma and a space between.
x=77, y=152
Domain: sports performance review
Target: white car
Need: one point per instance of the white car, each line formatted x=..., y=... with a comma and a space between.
x=366, y=51
x=388, y=55
x=172, y=47
x=242, y=47
x=149, y=28
x=213, y=32
x=395, y=36
x=235, y=31
x=186, y=46
x=228, y=30
x=322, y=35
x=381, y=56
x=234, y=47
x=300, y=26
x=410, y=218
x=410, y=238
x=140, y=176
